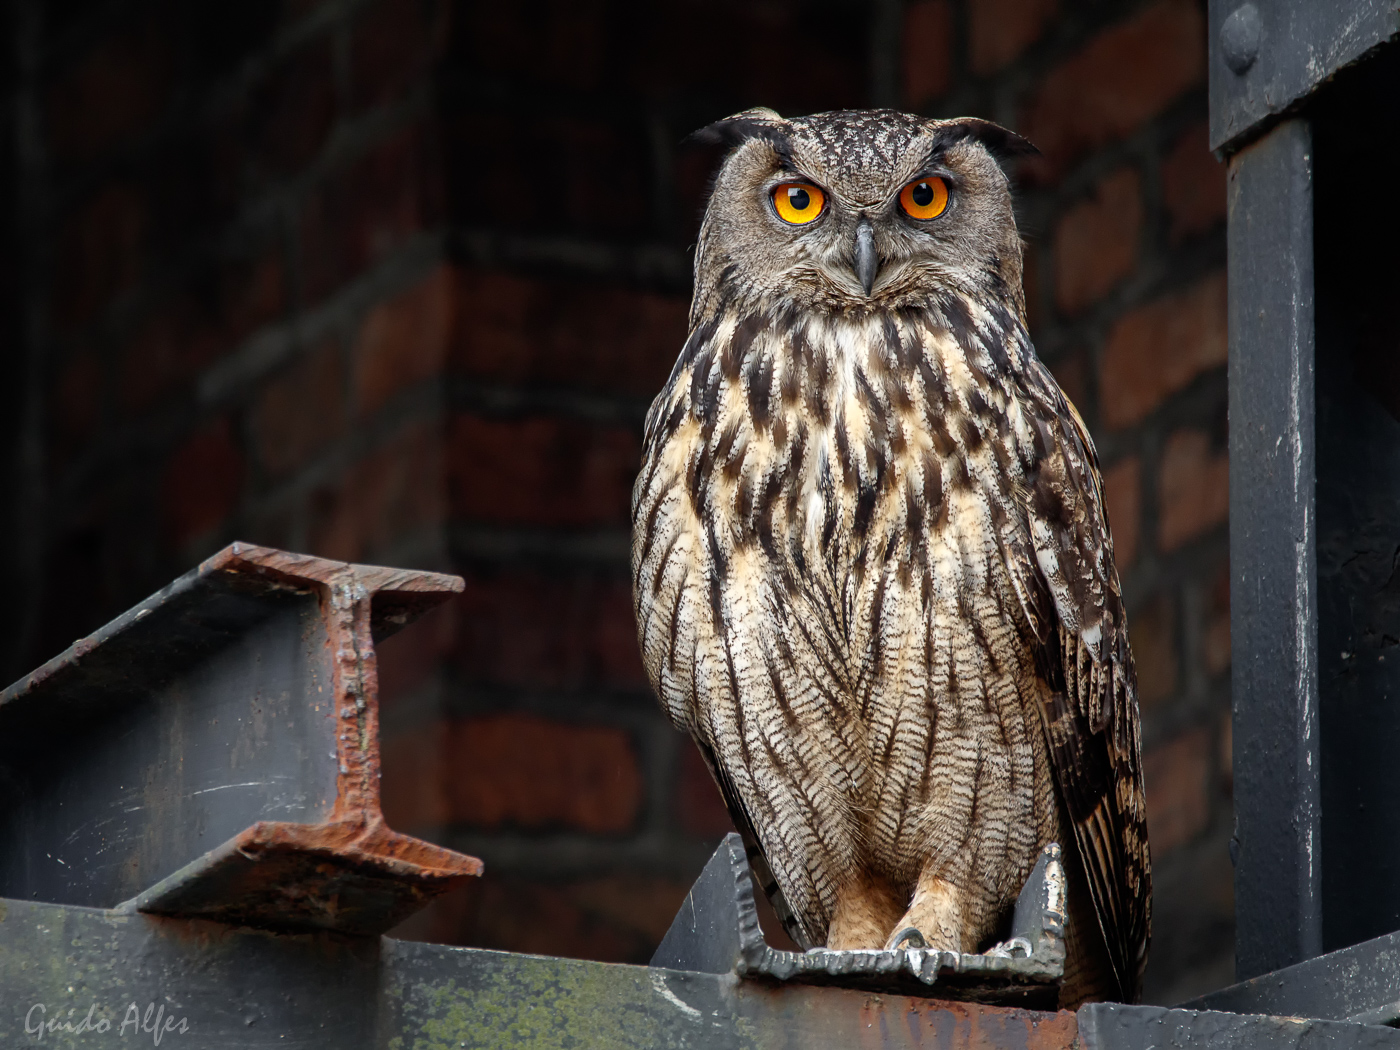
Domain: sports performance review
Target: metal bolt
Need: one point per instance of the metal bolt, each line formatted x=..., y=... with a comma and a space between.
x=1239, y=38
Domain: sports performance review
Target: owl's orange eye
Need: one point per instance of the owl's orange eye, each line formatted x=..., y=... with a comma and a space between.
x=798, y=202
x=924, y=198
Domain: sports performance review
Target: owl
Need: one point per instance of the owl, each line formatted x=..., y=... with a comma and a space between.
x=872, y=567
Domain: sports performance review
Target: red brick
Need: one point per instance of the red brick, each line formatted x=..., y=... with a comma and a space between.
x=1227, y=754
x=388, y=495
x=290, y=115
x=1152, y=633
x=527, y=772
x=99, y=255
x=1193, y=489
x=392, y=47
x=541, y=470
x=202, y=482
x=410, y=660
x=1216, y=640
x=928, y=51
x=403, y=340
x=362, y=213
x=1178, y=800
x=1158, y=349
x=1122, y=492
x=1096, y=241
x=415, y=769
x=699, y=805
x=301, y=411
x=1123, y=77
x=114, y=90
x=527, y=330
x=1000, y=30
x=526, y=630
x=1032, y=285
x=1193, y=186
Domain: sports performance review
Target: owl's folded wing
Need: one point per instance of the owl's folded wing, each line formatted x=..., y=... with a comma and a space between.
x=1071, y=587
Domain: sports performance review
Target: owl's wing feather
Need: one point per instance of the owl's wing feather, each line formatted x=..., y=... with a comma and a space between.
x=763, y=872
x=1091, y=718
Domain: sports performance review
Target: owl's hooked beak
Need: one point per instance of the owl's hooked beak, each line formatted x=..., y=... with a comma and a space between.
x=867, y=261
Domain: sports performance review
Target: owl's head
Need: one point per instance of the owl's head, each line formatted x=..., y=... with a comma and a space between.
x=858, y=210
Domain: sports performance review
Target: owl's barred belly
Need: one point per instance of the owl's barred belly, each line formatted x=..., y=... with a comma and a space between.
x=866, y=690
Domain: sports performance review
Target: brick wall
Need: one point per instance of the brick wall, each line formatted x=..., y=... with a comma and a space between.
x=395, y=280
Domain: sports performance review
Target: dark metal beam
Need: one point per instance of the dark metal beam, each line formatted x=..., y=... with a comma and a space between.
x=1273, y=553
x=1267, y=55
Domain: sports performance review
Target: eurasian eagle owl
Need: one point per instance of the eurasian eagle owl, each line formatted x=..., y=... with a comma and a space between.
x=872, y=568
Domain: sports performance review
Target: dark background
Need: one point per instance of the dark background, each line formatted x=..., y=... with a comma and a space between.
x=394, y=281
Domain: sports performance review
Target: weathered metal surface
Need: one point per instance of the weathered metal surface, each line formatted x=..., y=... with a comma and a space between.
x=1360, y=984
x=1267, y=55
x=1273, y=603
x=221, y=740
x=245, y=988
x=1109, y=1026
x=717, y=931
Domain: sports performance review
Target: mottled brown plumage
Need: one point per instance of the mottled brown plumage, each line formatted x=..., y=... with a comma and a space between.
x=872, y=568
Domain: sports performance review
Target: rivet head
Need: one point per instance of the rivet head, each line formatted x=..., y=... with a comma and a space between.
x=1239, y=38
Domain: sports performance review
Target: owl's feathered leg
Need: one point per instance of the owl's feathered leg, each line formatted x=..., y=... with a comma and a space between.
x=867, y=907
x=937, y=912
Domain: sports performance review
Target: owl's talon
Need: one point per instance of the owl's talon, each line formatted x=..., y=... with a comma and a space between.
x=1016, y=948
x=909, y=937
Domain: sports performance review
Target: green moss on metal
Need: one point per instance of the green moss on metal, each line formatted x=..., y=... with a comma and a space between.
x=546, y=1004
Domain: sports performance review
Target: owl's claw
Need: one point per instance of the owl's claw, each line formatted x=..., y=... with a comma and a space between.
x=909, y=937
x=1016, y=948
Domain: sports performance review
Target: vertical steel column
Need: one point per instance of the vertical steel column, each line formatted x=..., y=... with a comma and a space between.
x=1273, y=552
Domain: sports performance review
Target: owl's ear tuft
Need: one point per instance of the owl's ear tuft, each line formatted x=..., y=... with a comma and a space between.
x=1000, y=142
x=758, y=123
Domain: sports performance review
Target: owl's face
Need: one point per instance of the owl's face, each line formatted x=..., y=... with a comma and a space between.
x=859, y=210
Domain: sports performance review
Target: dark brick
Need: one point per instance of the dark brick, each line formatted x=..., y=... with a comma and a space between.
x=611, y=918
x=556, y=43
x=1215, y=642
x=528, y=630
x=393, y=46
x=1158, y=349
x=1153, y=633
x=1096, y=241
x=362, y=213
x=1123, y=77
x=100, y=254
x=1122, y=492
x=403, y=340
x=202, y=482
x=699, y=805
x=1193, y=489
x=290, y=115
x=115, y=89
x=528, y=330
x=301, y=411
x=550, y=175
x=927, y=58
x=541, y=470
x=390, y=494
x=521, y=771
x=999, y=31
x=1193, y=186
x=1178, y=781
x=77, y=403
